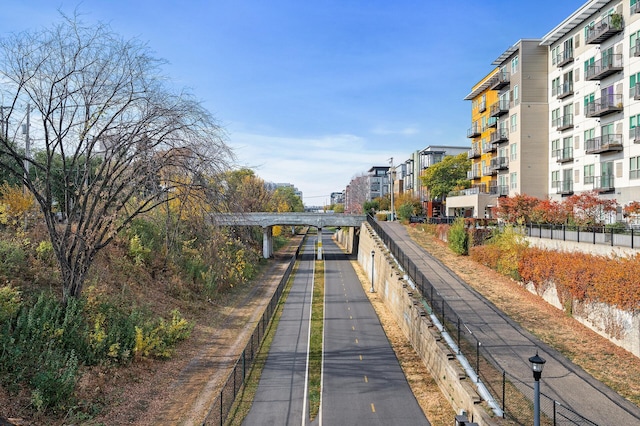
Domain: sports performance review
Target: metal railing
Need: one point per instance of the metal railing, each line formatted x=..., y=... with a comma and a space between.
x=221, y=406
x=586, y=234
x=514, y=396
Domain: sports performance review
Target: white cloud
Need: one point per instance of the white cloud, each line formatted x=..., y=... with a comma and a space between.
x=317, y=166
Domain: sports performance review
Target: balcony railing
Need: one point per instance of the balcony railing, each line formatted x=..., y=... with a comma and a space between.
x=563, y=90
x=498, y=81
x=474, y=131
x=482, y=106
x=499, y=136
x=488, y=171
x=604, y=183
x=605, y=28
x=473, y=174
x=491, y=122
x=603, y=106
x=499, y=163
x=606, y=143
x=502, y=190
x=634, y=135
x=563, y=123
x=564, y=187
x=563, y=58
x=499, y=108
x=635, y=49
x=474, y=153
x=488, y=147
x=634, y=91
x=635, y=8
x=604, y=67
x=563, y=155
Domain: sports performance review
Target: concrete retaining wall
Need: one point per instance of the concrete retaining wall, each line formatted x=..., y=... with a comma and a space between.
x=415, y=323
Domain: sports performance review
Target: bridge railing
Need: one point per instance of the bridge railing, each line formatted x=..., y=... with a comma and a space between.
x=513, y=395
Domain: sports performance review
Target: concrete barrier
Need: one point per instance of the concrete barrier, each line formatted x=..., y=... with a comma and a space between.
x=407, y=309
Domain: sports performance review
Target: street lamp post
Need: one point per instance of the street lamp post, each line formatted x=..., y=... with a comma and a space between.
x=537, y=364
x=373, y=253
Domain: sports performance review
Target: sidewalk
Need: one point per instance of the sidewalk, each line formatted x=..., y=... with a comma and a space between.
x=511, y=346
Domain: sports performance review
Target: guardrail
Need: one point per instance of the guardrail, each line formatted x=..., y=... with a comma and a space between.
x=512, y=394
x=221, y=407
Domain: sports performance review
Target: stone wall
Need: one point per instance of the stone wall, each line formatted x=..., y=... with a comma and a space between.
x=410, y=315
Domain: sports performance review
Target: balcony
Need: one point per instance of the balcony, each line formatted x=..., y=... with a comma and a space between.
x=499, y=108
x=488, y=147
x=499, y=136
x=498, y=81
x=606, y=143
x=488, y=171
x=502, y=190
x=606, y=105
x=564, y=90
x=563, y=155
x=474, y=153
x=635, y=49
x=491, y=122
x=563, y=58
x=563, y=123
x=609, y=64
x=635, y=8
x=482, y=106
x=474, y=131
x=605, y=28
x=634, y=91
x=634, y=135
x=499, y=163
x=604, y=183
x=473, y=174
x=564, y=187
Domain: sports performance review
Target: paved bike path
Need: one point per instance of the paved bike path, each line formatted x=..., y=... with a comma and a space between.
x=363, y=383
x=279, y=399
x=511, y=346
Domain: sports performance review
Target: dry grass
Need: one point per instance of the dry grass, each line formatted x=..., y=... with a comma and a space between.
x=608, y=363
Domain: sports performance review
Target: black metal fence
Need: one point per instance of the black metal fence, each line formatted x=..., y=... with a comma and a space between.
x=612, y=236
x=619, y=236
x=221, y=407
x=514, y=396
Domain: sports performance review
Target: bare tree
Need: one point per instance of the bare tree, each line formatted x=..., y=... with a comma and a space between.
x=110, y=140
x=357, y=193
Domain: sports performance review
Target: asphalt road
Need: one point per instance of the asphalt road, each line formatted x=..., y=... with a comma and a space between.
x=363, y=383
x=511, y=346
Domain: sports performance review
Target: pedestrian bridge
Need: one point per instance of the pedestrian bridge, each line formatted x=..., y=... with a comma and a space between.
x=268, y=220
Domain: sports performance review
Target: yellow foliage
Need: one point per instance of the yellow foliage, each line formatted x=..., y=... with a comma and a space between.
x=14, y=203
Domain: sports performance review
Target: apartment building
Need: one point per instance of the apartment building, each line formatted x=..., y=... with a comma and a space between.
x=509, y=131
x=594, y=101
x=408, y=173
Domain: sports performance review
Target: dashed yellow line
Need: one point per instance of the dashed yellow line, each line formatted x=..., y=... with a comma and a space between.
x=373, y=408
x=366, y=379
x=360, y=357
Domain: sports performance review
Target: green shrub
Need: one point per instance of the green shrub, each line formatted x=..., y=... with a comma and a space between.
x=12, y=258
x=10, y=303
x=137, y=251
x=458, y=237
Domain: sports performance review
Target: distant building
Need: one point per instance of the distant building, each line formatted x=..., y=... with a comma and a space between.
x=337, y=197
x=273, y=186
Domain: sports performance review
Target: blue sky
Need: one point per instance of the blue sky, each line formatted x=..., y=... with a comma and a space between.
x=315, y=92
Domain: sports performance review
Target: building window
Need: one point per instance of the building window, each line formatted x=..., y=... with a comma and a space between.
x=555, y=86
x=634, y=168
x=588, y=64
x=634, y=82
x=513, y=178
x=514, y=65
x=634, y=121
x=555, y=177
x=555, y=52
x=587, y=100
x=513, y=156
x=514, y=123
x=516, y=95
x=589, y=172
x=588, y=28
